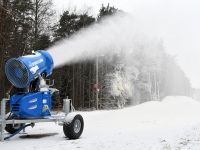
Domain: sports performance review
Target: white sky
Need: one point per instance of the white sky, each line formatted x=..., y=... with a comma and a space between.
x=177, y=22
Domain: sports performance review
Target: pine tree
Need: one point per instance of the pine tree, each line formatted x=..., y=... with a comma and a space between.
x=74, y=79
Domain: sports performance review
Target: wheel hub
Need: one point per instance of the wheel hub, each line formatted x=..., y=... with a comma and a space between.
x=77, y=126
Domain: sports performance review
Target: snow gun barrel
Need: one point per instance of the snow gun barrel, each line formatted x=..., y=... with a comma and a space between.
x=21, y=71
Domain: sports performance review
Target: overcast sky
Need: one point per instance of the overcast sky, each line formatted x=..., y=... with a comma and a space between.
x=176, y=22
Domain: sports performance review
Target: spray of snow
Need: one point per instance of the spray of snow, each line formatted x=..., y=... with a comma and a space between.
x=116, y=33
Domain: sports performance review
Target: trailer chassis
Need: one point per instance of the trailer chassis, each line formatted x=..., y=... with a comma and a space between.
x=59, y=119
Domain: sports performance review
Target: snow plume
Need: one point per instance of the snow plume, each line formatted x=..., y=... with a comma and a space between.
x=116, y=33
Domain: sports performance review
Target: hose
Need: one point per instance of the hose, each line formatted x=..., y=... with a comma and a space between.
x=20, y=129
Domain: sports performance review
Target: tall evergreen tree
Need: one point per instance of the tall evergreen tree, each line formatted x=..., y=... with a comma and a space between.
x=72, y=77
x=106, y=11
x=72, y=22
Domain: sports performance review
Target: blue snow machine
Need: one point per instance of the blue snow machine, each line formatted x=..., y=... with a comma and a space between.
x=33, y=103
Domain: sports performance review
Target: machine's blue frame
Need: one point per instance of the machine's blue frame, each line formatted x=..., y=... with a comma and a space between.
x=34, y=104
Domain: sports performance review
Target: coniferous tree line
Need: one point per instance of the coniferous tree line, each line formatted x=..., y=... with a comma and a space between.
x=27, y=25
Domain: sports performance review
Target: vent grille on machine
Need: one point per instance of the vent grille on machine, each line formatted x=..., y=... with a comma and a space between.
x=17, y=73
x=15, y=107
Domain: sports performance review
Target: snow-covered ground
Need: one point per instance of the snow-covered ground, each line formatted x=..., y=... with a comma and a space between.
x=172, y=124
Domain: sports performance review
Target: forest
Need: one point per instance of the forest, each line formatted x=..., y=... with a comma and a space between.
x=105, y=82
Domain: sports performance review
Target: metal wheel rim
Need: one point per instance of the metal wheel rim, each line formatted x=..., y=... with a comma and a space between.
x=77, y=126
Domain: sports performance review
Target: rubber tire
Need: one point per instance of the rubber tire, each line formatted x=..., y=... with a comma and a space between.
x=69, y=131
x=10, y=128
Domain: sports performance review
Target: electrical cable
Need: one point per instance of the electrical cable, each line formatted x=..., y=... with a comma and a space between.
x=20, y=129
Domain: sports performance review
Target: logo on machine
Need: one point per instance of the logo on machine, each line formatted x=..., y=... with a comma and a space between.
x=35, y=62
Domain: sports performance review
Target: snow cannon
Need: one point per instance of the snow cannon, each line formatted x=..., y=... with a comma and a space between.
x=28, y=72
x=23, y=70
x=32, y=103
